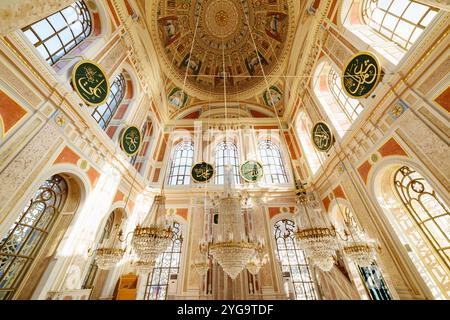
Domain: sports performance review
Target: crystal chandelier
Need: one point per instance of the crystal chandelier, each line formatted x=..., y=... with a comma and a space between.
x=355, y=246
x=230, y=245
x=144, y=267
x=315, y=235
x=201, y=266
x=233, y=255
x=107, y=258
x=362, y=253
x=151, y=241
x=255, y=264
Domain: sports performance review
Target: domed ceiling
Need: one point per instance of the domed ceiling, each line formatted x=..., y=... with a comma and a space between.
x=196, y=39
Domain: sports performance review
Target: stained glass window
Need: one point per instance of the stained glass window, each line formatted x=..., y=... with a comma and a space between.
x=426, y=208
x=104, y=113
x=167, y=264
x=227, y=155
x=55, y=35
x=374, y=282
x=400, y=21
x=22, y=243
x=274, y=171
x=180, y=171
x=293, y=260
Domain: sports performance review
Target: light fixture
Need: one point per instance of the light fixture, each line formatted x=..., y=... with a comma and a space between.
x=150, y=241
x=107, y=258
x=315, y=235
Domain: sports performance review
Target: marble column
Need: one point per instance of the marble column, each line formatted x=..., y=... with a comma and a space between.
x=17, y=14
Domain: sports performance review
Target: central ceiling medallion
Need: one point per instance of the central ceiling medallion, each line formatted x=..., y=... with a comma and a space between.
x=221, y=18
x=195, y=37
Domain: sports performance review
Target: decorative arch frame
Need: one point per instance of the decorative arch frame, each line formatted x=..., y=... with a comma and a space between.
x=77, y=181
x=422, y=278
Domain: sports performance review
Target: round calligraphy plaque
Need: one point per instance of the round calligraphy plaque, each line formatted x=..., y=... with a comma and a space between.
x=322, y=136
x=361, y=75
x=90, y=83
x=202, y=172
x=130, y=140
x=252, y=171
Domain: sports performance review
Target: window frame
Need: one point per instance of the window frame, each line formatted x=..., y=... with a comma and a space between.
x=83, y=17
x=274, y=170
x=115, y=99
x=40, y=204
x=172, y=250
x=223, y=158
x=300, y=258
x=183, y=168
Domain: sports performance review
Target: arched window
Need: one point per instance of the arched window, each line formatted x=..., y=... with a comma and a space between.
x=167, y=264
x=180, y=171
x=55, y=35
x=293, y=260
x=227, y=155
x=21, y=245
x=274, y=171
x=313, y=157
x=93, y=268
x=400, y=21
x=341, y=109
x=427, y=210
x=104, y=113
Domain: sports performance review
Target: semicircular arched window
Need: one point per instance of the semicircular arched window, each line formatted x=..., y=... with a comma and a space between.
x=274, y=170
x=180, y=170
x=23, y=242
x=103, y=114
x=227, y=155
x=399, y=21
x=426, y=208
x=57, y=34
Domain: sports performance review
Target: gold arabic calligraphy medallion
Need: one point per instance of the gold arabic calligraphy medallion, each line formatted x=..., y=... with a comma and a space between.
x=361, y=75
x=90, y=82
x=322, y=136
x=252, y=171
x=131, y=140
x=202, y=172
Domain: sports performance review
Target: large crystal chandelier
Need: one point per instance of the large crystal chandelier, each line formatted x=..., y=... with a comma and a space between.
x=231, y=247
x=107, y=258
x=258, y=261
x=315, y=235
x=152, y=240
x=144, y=267
x=356, y=247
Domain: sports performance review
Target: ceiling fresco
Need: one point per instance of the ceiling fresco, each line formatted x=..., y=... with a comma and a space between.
x=201, y=44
